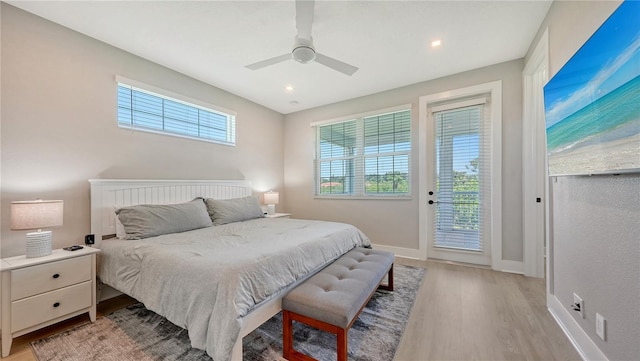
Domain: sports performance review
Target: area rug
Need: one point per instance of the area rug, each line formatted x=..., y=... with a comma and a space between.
x=137, y=334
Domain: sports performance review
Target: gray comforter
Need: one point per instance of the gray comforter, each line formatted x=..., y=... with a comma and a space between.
x=206, y=280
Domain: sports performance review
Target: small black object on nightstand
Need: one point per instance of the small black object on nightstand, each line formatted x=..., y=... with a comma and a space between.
x=73, y=248
x=89, y=239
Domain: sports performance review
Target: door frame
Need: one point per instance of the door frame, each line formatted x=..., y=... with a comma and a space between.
x=425, y=130
x=534, y=160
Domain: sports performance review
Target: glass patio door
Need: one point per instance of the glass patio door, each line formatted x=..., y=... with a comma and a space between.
x=459, y=183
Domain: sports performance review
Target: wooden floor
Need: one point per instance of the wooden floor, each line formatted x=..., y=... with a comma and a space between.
x=469, y=313
x=460, y=313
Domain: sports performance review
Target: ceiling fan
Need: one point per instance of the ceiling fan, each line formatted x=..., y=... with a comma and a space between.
x=303, y=50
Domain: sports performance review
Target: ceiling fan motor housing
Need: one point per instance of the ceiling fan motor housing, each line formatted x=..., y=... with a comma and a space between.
x=303, y=51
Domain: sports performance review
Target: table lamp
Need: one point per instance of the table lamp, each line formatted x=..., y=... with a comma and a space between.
x=38, y=214
x=271, y=199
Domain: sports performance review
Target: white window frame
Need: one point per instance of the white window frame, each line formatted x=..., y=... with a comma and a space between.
x=359, y=191
x=179, y=98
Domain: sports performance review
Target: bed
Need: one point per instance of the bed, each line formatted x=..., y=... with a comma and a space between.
x=219, y=282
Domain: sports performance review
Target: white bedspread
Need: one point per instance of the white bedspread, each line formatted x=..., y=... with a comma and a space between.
x=206, y=280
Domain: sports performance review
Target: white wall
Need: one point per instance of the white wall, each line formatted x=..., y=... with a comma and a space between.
x=595, y=247
x=395, y=222
x=59, y=126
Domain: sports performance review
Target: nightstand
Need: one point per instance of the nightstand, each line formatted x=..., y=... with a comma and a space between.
x=38, y=292
x=278, y=215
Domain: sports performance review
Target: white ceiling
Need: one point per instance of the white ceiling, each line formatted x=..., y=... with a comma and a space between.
x=388, y=40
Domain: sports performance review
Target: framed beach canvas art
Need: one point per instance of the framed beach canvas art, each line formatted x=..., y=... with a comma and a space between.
x=592, y=105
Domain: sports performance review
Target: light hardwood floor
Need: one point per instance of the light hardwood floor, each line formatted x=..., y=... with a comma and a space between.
x=470, y=313
x=460, y=313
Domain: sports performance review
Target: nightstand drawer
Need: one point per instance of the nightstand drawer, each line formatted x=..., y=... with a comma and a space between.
x=33, y=280
x=41, y=308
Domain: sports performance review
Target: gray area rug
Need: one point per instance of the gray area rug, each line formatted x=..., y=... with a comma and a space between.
x=137, y=334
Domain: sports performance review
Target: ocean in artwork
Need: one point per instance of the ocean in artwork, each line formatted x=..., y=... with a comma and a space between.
x=608, y=129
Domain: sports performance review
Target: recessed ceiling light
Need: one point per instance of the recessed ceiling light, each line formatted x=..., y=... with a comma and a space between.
x=288, y=88
x=436, y=43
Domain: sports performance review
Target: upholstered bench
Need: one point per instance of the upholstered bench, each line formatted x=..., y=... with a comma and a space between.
x=332, y=299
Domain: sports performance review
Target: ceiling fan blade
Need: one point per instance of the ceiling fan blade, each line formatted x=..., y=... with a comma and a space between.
x=304, y=17
x=268, y=62
x=334, y=64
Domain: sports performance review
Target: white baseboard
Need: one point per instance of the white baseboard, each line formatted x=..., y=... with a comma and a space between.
x=509, y=266
x=580, y=340
x=502, y=266
x=402, y=252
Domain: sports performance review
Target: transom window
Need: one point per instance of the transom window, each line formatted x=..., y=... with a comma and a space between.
x=365, y=156
x=145, y=110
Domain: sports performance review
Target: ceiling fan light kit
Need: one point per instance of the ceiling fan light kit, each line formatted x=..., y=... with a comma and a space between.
x=303, y=51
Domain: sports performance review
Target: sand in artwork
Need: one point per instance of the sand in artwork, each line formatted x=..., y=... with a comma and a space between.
x=598, y=158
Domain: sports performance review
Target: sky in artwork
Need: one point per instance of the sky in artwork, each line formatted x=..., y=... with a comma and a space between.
x=609, y=59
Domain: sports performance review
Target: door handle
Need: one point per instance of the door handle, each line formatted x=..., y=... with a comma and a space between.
x=432, y=202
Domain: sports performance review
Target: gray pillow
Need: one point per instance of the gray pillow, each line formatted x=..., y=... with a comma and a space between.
x=149, y=220
x=223, y=211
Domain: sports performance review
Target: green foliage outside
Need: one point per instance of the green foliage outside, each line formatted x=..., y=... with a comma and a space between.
x=389, y=183
x=466, y=200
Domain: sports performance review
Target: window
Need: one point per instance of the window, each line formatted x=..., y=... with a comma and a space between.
x=365, y=156
x=144, y=110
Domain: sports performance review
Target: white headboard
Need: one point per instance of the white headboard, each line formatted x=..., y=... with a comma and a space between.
x=109, y=193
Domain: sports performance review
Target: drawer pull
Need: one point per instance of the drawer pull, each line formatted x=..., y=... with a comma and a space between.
x=56, y=304
x=57, y=275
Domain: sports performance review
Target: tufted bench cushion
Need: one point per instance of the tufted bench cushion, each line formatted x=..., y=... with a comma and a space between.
x=336, y=295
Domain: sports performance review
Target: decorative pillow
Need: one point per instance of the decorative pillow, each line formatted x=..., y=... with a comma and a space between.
x=149, y=220
x=223, y=211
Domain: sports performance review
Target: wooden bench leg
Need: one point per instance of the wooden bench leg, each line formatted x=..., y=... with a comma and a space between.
x=342, y=348
x=287, y=334
x=288, y=350
x=389, y=285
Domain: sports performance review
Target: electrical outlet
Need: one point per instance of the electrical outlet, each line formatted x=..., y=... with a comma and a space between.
x=578, y=305
x=601, y=325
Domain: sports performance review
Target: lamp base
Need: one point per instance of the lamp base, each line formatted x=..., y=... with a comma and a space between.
x=38, y=244
x=271, y=209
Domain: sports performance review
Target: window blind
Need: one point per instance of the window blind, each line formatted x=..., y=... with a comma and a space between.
x=387, y=144
x=337, y=148
x=147, y=111
x=365, y=156
x=462, y=183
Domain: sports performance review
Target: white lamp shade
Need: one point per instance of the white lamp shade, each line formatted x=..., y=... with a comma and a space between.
x=271, y=198
x=36, y=214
